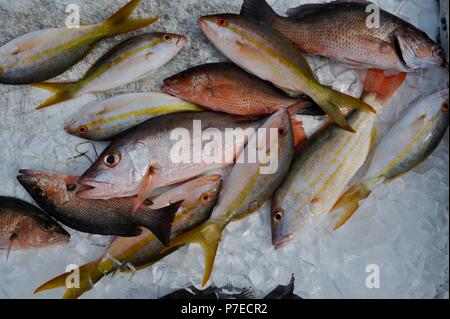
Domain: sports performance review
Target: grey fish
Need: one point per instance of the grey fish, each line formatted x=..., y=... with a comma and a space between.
x=57, y=195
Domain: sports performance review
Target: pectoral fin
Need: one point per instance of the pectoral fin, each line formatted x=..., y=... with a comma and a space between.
x=145, y=189
x=11, y=242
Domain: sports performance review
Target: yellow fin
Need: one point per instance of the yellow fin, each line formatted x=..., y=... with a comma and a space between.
x=89, y=275
x=120, y=22
x=349, y=201
x=373, y=136
x=63, y=91
x=332, y=102
x=208, y=236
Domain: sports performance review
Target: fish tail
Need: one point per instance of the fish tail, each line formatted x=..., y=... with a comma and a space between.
x=259, y=10
x=89, y=274
x=349, y=201
x=382, y=86
x=332, y=102
x=120, y=22
x=208, y=236
x=63, y=91
x=159, y=221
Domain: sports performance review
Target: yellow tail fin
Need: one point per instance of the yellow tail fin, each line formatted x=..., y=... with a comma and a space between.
x=333, y=101
x=120, y=22
x=349, y=201
x=208, y=236
x=89, y=274
x=63, y=92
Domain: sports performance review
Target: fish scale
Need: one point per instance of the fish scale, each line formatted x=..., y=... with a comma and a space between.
x=24, y=226
x=407, y=144
x=246, y=189
x=41, y=55
x=106, y=119
x=342, y=31
x=267, y=54
x=351, y=150
x=129, y=61
x=144, y=250
x=225, y=87
x=325, y=166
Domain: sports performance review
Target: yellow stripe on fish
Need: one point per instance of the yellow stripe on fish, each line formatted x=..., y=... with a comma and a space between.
x=105, y=119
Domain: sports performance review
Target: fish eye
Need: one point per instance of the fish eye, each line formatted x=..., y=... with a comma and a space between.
x=206, y=198
x=111, y=159
x=436, y=51
x=444, y=107
x=281, y=131
x=83, y=130
x=71, y=187
x=167, y=37
x=278, y=216
x=222, y=22
x=46, y=225
x=184, y=75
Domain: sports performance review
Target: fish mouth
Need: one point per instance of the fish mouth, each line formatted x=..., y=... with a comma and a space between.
x=203, y=24
x=28, y=177
x=281, y=243
x=68, y=127
x=59, y=240
x=181, y=42
x=94, y=189
x=168, y=87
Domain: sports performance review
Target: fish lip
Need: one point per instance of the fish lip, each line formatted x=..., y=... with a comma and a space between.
x=60, y=240
x=167, y=87
x=30, y=177
x=281, y=243
x=92, y=192
x=181, y=42
x=202, y=23
x=68, y=127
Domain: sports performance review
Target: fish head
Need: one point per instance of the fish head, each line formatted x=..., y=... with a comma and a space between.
x=436, y=107
x=284, y=223
x=83, y=124
x=86, y=124
x=196, y=193
x=165, y=45
x=118, y=172
x=280, y=123
x=41, y=231
x=49, y=190
x=192, y=85
x=418, y=51
x=224, y=30
x=203, y=192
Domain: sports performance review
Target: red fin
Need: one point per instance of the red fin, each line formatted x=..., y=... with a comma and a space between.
x=299, y=133
x=383, y=86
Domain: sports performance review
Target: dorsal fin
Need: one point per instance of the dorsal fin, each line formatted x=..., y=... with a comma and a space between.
x=307, y=9
x=259, y=10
